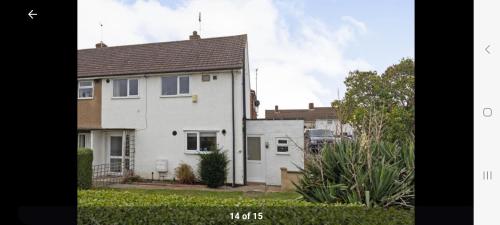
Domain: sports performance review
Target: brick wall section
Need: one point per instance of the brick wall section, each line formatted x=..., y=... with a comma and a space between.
x=89, y=110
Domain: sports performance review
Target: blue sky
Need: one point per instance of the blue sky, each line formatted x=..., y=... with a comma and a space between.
x=303, y=49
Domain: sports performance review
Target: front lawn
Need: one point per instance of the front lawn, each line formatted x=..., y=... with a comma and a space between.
x=113, y=206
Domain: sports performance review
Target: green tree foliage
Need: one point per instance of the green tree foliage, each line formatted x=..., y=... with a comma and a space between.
x=392, y=94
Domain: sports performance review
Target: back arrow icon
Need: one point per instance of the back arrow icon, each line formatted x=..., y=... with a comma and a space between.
x=31, y=14
x=486, y=49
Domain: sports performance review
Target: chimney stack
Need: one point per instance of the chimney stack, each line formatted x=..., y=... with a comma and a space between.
x=276, y=108
x=195, y=36
x=311, y=105
x=100, y=45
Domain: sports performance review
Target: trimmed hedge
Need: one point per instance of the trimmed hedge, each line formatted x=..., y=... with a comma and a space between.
x=123, y=207
x=84, y=164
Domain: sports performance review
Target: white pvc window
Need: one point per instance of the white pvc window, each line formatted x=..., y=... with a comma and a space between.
x=201, y=140
x=125, y=88
x=175, y=85
x=282, y=145
x=85, y=89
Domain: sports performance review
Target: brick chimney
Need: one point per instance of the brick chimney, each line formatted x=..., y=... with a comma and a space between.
x=195, y=36
x=276, y=108
x=311, y=105
x=100, y=45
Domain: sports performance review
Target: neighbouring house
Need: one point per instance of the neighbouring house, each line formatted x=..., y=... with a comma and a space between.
x=147, y=108
x=314, y=117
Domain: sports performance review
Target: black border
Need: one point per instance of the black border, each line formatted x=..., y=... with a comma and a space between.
x=444, y=112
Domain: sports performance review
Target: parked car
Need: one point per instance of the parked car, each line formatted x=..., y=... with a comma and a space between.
x=316, y=138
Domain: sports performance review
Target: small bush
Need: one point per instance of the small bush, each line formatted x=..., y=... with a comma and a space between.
x=84, y=164
x=213, y=168
x=124, y=207
x=184, y=173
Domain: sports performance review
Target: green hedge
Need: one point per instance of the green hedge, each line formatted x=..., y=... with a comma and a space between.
x=112, y=207
x=84, y=168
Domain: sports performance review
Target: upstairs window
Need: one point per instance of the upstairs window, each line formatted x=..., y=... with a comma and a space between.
x=85, y=89
x=125, y=88
x=175, y=85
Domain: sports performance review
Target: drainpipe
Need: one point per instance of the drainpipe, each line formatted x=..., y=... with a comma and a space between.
x=232, y=107
x=244, y=125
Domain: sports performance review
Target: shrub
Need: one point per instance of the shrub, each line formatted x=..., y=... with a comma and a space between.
x=123, y=207
x=184, y=174
x=372, y=173
x=213, y=168
x=131, y=179
x=84, y=164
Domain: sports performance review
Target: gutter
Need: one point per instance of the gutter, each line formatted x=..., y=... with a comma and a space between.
x=234, y=151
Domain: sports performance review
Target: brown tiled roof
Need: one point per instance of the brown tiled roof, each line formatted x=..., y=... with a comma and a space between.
x=302, y=114
x=177, y=56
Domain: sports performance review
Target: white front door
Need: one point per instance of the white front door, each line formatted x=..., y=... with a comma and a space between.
x=118, y=157
x=256, y=167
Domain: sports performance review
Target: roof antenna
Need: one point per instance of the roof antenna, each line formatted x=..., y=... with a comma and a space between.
x=256, y=69
x=102, y=28
x=199, y=20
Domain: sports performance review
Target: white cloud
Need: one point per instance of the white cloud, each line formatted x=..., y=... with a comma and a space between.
x=295, y=68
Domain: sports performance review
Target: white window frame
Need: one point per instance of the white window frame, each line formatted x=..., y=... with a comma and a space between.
x=128, y=88
x=178, y=87
x=197, y=132
x=85, y=87
x=282, y=145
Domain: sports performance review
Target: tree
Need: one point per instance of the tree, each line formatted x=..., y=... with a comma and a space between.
x=392, y=94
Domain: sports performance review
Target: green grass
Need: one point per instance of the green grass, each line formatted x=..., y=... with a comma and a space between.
x=216, y=194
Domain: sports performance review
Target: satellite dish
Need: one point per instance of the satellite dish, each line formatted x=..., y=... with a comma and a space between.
x=257, y=103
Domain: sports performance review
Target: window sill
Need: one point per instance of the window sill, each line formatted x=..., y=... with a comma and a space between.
x=126, y=97
x=175, y=96
x=282, y=153
x=195, y=152
x=86, y=98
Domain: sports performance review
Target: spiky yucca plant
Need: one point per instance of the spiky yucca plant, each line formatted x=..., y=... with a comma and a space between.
x=349, y=171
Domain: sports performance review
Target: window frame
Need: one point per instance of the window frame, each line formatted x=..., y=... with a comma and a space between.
x=197, y=132
x=128, y=88
x=278, y=139
x=86, y=87
x=178, y=94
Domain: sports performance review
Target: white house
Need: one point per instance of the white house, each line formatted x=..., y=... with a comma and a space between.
x=149, y=107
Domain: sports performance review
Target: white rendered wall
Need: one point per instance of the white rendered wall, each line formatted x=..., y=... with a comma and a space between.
x=270, y=130
x=154, y=118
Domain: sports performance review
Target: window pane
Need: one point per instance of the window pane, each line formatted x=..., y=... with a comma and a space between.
x=184, y=85
x=85, y=93
x=282, y=148
x=133, y=87
x=191, y=141
x=208, y=140
x=169, y=85
x=115, y=165
x=86, y=83
x=81, y=141
x=282, y=141
x=127, y=145
x=116, y=146
x=205, y=78
x=253, y=148
x=120, y=88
